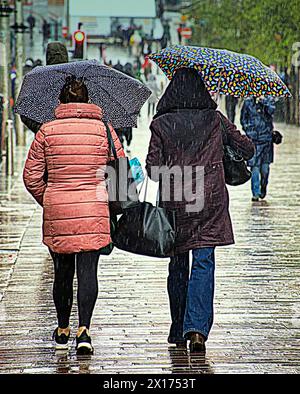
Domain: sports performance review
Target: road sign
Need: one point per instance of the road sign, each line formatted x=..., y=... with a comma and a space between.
x=65, y=31
x=186, y=32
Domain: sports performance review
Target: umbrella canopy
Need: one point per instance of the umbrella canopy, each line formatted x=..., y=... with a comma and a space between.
x=223, y=71
x=120, y=96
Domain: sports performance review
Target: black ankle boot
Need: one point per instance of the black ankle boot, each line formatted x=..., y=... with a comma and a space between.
x=197, y=343
x=263, y=191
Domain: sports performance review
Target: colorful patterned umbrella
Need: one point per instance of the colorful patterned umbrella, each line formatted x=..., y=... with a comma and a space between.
x=120, y=96
x=223, y=71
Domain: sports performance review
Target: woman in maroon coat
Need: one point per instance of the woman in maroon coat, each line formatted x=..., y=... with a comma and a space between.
x=186, y=134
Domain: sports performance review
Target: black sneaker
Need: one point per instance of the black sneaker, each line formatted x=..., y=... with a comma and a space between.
x=84, y=343
x=181, y=344
x=263, y=192
x=255, y=199
x=61, y=341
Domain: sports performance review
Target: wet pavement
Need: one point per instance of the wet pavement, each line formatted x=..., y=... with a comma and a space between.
x=257, y=303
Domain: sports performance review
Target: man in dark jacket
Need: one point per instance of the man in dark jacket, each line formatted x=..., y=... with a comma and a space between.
x=56, y=54
x=186, y=134
x=257, y=122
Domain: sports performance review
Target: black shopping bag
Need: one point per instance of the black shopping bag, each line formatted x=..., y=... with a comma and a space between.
x=235, y=167
x=147, y=230
x=121, y=185
x=107, y=250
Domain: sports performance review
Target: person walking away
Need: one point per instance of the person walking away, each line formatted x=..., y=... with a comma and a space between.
x=28, y=66
x=153, y=86
x=186, y=132
x=128, y=69
x=31, y=23
x=167, y=32
x=231, y=103
x=46, y=28
x=76, y=222
x=179, y=31
x=147, y=68
x=56, y=53
x=135, y=44
x=127, y=132
x=119, y=132
x=257, y=122
x=118, y=66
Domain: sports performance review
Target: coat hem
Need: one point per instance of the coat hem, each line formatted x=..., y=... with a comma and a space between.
x=198, y=245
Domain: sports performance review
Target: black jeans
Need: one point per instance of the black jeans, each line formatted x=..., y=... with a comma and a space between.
x=178, y=281
x=87, y=281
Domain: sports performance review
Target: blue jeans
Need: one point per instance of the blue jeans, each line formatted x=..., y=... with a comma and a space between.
x=260, y=178
x=191, y=296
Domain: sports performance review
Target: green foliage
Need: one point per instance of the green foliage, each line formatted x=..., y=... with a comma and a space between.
x=266, y=29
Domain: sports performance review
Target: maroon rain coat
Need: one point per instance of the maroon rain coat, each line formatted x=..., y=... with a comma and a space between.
x=186, y=132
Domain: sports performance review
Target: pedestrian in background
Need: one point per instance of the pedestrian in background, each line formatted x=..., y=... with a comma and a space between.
x=28, y=66
x=76, y=224
x=167, y=32
x=46, y=28
x=231, y=103
x=31, y=22
x=118, y=66
x=186, y=131
x=257, y=122
x=147, y=68
x=135, y=43
x=56, y=53
x=125, y=134
x=152, y=100
x=128, y=69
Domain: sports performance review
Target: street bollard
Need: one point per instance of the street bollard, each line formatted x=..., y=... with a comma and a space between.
x=10, y=148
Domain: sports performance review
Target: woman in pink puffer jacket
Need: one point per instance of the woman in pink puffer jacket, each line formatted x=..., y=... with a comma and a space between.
x=76, y=222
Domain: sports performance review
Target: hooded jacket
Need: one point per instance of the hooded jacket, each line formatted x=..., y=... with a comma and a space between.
x=257, y=122
x=185, y=134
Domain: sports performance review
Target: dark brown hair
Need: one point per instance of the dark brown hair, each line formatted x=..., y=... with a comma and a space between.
x=74, y=91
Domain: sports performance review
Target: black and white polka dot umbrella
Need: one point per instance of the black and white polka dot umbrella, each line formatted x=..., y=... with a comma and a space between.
x=119, y=95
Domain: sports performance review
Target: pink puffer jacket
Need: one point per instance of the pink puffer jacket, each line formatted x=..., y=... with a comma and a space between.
x=72, y=149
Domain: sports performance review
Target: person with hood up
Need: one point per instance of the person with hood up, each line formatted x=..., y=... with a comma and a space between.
x=186, y=132
x=76, y=219
x=56, y=53
x=257, y=122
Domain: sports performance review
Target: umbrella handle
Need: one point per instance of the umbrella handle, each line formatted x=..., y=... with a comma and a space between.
x=111, y=145
x=219, y=85
x=217, y=99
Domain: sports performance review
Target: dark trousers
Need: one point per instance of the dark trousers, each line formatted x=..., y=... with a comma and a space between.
x=231, y=103
x=151, y=109
x=260, y=178
x=86, y=264
x=178, y=280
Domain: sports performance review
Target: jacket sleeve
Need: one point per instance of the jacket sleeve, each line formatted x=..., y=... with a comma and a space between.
x=31, y=124
x=117, y=143
x=269, y=105
x=241, y=143
x=35, y=166
x=155, y=155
